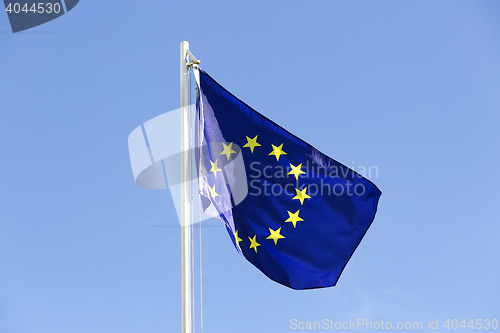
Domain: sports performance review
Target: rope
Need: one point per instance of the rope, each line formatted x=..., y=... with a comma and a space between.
x=191, y=217
x=191, y=196
x=201, y=272
x=199, y=216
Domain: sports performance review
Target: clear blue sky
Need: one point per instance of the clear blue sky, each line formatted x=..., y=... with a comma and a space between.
x=411, y=87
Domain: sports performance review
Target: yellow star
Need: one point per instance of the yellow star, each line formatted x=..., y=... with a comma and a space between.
x=215, y=168
x=212, y=191
x=275, y=235
x=301, y=195
x=253, y=243
x=238, y=240
x=296, y=171
x=252, y=143
x=294, y=217
x=277, y=151
x=228, y=150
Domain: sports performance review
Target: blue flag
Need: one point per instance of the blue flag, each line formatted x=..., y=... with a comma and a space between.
x=293, y=212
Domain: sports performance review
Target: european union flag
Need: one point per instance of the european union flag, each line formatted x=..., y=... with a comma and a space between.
x=293, y=212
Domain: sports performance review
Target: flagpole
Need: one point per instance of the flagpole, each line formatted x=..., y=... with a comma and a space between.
x=185, y=200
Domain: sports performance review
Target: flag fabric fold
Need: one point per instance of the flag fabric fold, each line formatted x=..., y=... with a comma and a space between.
x=293, y=212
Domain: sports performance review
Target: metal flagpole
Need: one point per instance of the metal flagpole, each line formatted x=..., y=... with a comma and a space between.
x=185, y=199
